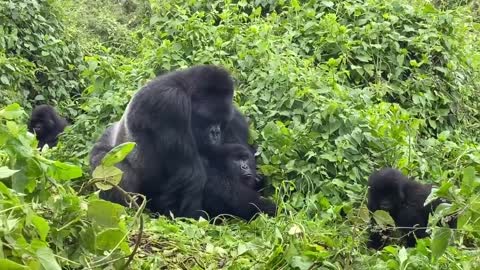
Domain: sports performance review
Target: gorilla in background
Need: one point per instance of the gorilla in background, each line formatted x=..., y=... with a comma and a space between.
x=403, y=199
x=46, y=124
x=166, y=165
x=231, y=184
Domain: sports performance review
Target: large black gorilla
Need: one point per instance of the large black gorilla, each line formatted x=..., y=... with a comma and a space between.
x=46, y=124
x=231, y=185
x=403, y=199
x=166, y=165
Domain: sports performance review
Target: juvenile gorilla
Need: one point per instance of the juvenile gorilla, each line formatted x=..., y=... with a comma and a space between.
x=46, y=124
x=211, y=140
x=403, y=199
x=166, y=165
x=230, y=187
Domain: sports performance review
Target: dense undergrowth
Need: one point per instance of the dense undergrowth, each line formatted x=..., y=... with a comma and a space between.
x=333, y=90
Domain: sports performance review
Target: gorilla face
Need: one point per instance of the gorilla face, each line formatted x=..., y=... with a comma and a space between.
x=41, y=126
x=214, y=134
x=210, y=115
x=42, y=122
x=386, y=191
x=46, y=124
x=241, y=164
x=207, y=133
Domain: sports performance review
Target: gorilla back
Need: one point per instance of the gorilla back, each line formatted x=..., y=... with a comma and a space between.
x=165, y=165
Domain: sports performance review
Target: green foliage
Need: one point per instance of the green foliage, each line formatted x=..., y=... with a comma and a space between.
x=45, y=224
x=42, y=62
x=333, y=90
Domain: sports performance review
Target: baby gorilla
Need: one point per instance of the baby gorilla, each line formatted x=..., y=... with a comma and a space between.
x=230, y=188
x=403, y=199
x=211, y=139
x=46, y=124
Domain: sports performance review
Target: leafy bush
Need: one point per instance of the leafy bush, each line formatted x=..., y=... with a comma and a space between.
x=45, y=224
x=46, y=60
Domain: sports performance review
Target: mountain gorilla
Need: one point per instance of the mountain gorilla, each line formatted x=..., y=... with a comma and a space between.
x=403, y=199
x=46, y=124
x=211, y=140
x=166, y=165
x=231, y=184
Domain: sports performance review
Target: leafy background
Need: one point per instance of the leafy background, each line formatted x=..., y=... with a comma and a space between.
x=333, y=90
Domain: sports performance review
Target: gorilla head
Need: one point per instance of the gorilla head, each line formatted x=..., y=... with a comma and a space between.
x=237, y=161
x=208, y=133
x=241, y=163
x=212, y=107
x=232, y=185
x=386, y=190
x=46, y=124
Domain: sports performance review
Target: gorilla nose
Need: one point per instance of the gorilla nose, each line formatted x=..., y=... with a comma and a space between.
x=215, y=133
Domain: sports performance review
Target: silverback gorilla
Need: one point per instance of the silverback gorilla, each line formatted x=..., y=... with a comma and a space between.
x=166, y=165
x=46, y=124
x=231, y=184
x=403, y=199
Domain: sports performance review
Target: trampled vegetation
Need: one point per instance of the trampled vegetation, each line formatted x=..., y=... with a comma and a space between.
x=333, y=90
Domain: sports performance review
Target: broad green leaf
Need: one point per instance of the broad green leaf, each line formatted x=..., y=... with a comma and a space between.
x=104, y=213
x=243, y=248
x=440, y=238
x=4, y=79
x=11, y=112
x=383, y=218
x=364, y=213
x=109, y=238
x=4, y=190
x=47, y=259
x=400, y=59
x=328, y=4
x=475, y=206
x=13, y=128
x=468, y=180
x=432, y=196
x=463, y=219
x=295, y=5
x=442, y=191
x=64, y=171
x=111, y=174
x=6, y=264
x=301, y=262
x=42, y=226
x=118, y=153
x=5, y=172
x=295, y=230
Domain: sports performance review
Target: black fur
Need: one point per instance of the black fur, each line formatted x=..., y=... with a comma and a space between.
x=46, y=124
x=166, y=165
x=231, y=183
x=210, y=141
x=403, y=199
